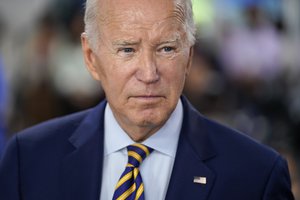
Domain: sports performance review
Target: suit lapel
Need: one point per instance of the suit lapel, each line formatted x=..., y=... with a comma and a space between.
x=194, y=149
x=81, y=169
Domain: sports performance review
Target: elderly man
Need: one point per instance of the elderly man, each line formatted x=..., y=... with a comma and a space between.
x=145, y=141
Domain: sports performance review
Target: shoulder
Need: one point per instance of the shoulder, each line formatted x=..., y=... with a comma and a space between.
x=45, y=141
x=55, y=135
x=57, y=127
x=232, y=142
x=227, y=143
x=249, y=161
x=257, y=168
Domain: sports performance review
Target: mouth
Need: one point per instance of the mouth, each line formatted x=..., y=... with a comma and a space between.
x=148, y=98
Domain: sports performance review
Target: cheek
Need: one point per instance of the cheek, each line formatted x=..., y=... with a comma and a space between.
x=115, y=82
x=175, y=71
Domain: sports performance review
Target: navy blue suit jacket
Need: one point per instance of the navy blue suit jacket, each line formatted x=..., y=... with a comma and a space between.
x=62, y=160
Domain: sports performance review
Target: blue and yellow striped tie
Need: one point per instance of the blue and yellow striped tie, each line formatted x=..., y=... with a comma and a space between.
x=130, y=186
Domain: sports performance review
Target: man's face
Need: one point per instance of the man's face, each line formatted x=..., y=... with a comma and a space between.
x=141, y=60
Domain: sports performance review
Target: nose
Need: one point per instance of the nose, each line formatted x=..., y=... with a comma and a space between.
x=147, y=70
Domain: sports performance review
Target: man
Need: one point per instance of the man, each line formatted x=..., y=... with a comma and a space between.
x=140, y=51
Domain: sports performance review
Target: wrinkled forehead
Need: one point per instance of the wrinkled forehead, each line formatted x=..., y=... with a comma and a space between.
x=140, y=12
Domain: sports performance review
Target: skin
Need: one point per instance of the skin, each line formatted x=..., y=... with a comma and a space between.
x=142, y=59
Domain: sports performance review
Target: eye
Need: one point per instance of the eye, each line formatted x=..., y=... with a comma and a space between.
x=168, y=49
x=127, y=50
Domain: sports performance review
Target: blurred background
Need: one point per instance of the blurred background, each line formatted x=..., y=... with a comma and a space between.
x=245, y=73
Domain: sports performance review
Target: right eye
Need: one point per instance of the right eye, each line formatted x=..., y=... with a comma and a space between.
x=168, y=49
x=126, y=50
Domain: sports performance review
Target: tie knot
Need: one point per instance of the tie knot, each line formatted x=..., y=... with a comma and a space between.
x=137, y=153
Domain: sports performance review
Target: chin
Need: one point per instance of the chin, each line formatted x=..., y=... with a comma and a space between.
x=153, y=119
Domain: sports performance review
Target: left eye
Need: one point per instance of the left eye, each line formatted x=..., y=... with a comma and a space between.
x=167, y=49
x=128, y=50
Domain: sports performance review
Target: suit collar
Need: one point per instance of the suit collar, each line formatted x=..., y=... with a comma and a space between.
x=193, y=129
x=194, y=150
x=92, y=124
x=196, y=132
x=81, y=169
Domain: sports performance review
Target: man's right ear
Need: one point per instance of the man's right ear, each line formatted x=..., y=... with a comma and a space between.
x=90, y=57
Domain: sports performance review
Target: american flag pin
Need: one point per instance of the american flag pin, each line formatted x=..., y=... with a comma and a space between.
x=200, y=180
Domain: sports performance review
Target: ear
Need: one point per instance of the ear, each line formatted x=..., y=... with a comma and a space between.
x=190, y=60
x=90, y=57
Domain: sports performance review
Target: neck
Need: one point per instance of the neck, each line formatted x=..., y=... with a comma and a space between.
x=138, y=133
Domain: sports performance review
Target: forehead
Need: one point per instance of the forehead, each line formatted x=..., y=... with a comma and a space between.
x=130, y=15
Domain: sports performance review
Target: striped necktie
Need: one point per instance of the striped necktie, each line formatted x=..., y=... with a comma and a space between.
x=130, y=186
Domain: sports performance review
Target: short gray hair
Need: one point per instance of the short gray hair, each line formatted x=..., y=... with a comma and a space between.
x=92, y=28
x=90, y=22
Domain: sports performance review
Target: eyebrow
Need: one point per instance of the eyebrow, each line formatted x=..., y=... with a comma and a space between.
x=176, y=40
x=125, y=42
x=129, y=42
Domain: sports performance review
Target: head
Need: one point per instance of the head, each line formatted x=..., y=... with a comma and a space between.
x=140, y=51
x=92, y=23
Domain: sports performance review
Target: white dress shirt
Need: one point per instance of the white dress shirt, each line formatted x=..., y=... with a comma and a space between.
x=156, y=168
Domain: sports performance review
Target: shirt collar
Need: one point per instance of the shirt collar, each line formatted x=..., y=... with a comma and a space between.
x=165, y=140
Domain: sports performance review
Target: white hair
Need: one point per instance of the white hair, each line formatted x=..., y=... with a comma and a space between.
x=191, y=27
x=91, y=22
x=92, y=28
